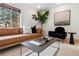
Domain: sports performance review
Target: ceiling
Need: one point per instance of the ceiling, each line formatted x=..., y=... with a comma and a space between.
x=34, y=5
x=41, y=5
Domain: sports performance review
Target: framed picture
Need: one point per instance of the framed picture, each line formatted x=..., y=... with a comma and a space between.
x=62, y=18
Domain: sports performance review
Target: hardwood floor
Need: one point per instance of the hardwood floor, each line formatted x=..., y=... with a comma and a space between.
x=66, y=41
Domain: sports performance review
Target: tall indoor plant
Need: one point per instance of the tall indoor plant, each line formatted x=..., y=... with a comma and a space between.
x=41, y=16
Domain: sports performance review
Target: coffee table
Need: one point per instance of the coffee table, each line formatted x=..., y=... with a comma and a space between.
x=39, y=49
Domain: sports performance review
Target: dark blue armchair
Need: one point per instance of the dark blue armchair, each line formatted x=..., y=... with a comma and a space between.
x=58, y=33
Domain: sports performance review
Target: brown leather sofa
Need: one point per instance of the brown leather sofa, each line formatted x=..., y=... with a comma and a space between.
x=13, y=36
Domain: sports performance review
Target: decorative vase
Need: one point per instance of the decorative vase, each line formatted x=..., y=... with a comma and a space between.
x=38, y=24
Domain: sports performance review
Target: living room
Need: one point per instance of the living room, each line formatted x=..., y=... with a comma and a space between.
x=65, y=11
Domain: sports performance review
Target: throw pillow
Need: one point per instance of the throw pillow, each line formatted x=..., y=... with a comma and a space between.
x=26, y=30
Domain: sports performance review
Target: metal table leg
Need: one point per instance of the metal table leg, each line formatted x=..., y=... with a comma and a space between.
x=38, y=54
x=21, y=51
x=57, y=49
x=29, y=53
x=58, y=45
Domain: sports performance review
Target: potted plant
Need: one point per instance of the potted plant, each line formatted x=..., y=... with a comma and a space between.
x=41, y=16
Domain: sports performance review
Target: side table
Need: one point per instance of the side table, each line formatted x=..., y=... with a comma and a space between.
x=71, y=37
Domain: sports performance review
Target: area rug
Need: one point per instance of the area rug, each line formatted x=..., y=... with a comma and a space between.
x=65, y=50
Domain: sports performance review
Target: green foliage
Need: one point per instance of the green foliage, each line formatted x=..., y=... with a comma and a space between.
x=41, y=16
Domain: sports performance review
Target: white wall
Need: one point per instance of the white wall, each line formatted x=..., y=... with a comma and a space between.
x=27, y=17
x=74, y=21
